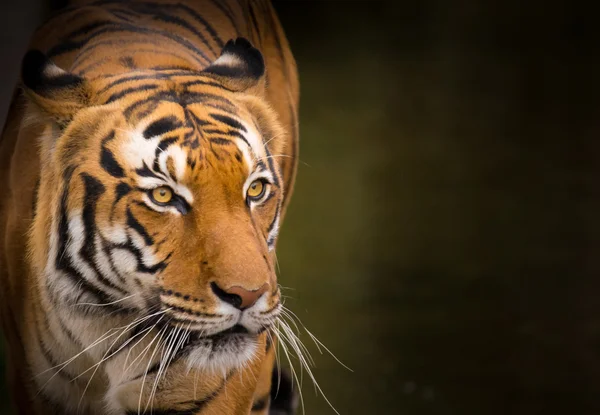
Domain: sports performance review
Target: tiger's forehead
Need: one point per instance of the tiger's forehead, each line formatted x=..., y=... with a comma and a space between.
x=177, y=142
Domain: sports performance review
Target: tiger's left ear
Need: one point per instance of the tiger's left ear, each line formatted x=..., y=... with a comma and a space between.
x=240, y=67
x=57, y=93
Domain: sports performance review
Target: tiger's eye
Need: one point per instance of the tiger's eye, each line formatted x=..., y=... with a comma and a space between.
x=162, y=195
x=256, y=189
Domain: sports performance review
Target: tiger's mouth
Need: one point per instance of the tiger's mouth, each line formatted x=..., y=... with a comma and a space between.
x=227, y=349
x=222, y=337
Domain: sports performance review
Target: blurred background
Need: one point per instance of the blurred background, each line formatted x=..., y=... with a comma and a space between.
x=443, y=235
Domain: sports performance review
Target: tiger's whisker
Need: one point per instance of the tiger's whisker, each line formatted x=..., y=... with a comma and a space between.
x=160, y=333
x=285, y=350
x=317, y=342
x=104, y=358
x=107, y=304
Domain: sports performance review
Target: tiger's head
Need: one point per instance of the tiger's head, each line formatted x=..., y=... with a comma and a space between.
x=159, y=195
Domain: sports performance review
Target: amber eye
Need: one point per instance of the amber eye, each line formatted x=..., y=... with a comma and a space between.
x=162, y=195
x=256, y=190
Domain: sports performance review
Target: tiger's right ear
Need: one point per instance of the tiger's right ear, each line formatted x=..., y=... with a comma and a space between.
x=57, y=93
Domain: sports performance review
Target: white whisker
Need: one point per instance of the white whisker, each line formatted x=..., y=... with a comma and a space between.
x=160, y=333
x=106, y=304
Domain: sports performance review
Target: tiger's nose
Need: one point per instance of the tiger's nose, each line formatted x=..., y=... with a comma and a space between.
x=239, y=297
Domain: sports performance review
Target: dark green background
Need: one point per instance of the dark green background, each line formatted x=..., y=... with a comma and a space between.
x=443, y=235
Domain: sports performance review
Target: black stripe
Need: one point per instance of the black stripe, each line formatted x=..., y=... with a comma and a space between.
x=205, y=82
x=84, y=30
x=294, y=142
x=127, y=91
x=111, y=262
x=239, y=135
x=199, y=19
x=133, y=223
x=138, y=77
x=34, y=201
x=254, y=20
x=146, y=109
x=227, y=12
x=178, y=21
x=121, y=190
x=95, y=64
x=192, y=312
x=107, y=159
x=272, y=224
x=145, y=171
x=181, y=68
x=162, y=126
x=183, y=99
x=68, y=332
x=141, y=267
x=93, y=190
x=114, y=27
x=126, y=44
x=162, y=146
x=271, y=167
x=63, y=260
x=229, y=121
x=194, y=121
x=125, y=10
x=213, y=131
x=221, y=141
x=47, y=352
x=215, y=36
x=192, y=97
x=123, y=15
x=156, y=10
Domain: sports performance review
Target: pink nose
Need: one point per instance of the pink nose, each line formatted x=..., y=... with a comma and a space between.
x=239, y=297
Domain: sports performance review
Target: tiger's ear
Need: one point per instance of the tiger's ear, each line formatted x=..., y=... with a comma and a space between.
x=240, y=67
x=57, y=93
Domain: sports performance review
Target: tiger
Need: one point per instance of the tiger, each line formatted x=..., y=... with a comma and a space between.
x=147, y=161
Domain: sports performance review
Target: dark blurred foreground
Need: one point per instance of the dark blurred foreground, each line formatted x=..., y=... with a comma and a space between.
x=443, y=235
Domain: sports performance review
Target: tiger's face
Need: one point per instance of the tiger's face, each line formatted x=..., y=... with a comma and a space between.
x=166, y=203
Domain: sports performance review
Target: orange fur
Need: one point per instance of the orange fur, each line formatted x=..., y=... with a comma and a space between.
x=75, y=150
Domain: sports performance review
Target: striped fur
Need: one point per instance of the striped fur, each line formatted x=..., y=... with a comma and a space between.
x=112, y=301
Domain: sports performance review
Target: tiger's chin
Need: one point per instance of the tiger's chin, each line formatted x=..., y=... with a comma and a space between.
x=221, y=352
